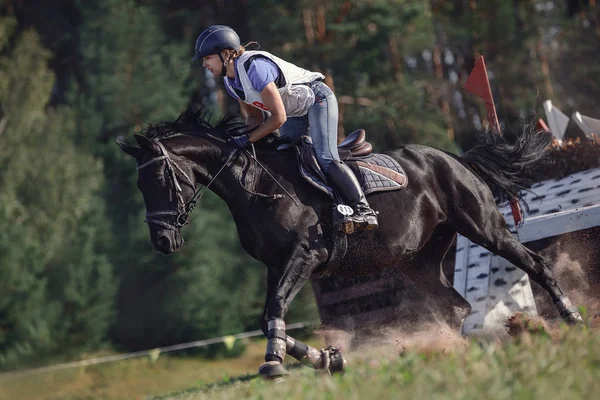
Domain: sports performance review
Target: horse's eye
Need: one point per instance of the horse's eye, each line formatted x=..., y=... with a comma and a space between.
x=160, y=179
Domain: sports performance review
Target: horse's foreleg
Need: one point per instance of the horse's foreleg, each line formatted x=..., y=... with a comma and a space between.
x=281, y=289
x=329, y=359
x=274, y=330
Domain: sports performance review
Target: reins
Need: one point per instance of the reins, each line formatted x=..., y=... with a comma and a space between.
x=274, y=196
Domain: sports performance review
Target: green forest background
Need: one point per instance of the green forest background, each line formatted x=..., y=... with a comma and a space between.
x=77, y=270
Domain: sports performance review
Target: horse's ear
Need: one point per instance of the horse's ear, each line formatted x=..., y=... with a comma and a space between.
x=129, y=149
x=145, y=143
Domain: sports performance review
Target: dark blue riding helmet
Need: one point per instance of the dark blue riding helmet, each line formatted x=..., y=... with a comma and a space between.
x=215, y=39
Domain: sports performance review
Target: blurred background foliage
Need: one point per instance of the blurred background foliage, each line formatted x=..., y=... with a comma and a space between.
x=77, y=271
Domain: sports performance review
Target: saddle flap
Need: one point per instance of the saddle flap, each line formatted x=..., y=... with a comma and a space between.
x=308, y=158
x=309, y=166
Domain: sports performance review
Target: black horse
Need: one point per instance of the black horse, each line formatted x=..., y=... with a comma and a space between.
x=284, y=222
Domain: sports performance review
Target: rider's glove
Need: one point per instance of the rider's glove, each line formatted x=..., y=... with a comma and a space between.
x=240, y=142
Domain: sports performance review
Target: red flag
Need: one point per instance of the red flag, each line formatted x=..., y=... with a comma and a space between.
x=478, y=83
x=515, y=208
x=541, y=125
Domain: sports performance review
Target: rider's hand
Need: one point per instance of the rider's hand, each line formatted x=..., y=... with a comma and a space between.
x=240, y=142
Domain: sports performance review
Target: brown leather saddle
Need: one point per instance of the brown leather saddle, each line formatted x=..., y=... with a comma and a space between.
x=355, y=144
x=375, y=172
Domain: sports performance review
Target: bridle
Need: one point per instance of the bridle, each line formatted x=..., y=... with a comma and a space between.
x=182, y=214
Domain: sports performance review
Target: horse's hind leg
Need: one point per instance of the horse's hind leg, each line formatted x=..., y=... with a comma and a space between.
x=488, y=229
x=543, y=275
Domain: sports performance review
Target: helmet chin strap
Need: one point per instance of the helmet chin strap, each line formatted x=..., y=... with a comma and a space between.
x=224, y=65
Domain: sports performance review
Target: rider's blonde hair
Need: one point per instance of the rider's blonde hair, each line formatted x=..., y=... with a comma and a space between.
x=243, y=48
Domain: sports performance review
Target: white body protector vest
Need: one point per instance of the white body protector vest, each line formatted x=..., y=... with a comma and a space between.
x=297, y=99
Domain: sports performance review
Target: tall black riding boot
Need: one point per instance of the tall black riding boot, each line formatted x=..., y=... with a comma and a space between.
x=341, y=177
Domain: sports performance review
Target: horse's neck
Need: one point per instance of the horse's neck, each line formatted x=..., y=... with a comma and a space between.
x=247, y=178
x=209, y=156
x=252, y=174
x=208, y=163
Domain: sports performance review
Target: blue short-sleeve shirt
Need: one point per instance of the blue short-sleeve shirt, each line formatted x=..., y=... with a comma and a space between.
x=261, y=72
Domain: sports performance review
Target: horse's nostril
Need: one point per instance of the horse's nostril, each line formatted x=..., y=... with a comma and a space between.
x=163, y=243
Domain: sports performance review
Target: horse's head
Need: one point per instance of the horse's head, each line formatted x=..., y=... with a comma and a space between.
x=167, y=190
x=166, y=179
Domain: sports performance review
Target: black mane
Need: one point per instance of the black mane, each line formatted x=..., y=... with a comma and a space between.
x=195, y=121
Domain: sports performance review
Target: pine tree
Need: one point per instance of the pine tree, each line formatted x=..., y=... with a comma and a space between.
x=363, y=48
x=49, y=187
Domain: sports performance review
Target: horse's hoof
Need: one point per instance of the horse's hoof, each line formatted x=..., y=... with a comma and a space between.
x=334, y=362
x=337, y=363
x=272, y=370
x=574, y=318
x=569, y=313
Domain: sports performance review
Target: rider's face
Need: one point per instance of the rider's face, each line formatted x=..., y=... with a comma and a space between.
x=213, y=64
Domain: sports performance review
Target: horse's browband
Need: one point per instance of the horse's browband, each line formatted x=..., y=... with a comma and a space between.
x=152, y=161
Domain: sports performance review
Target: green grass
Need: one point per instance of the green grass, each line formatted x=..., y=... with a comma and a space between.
x=136, y=378
x=565, y=366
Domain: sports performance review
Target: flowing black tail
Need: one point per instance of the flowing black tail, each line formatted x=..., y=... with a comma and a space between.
x=509, y=168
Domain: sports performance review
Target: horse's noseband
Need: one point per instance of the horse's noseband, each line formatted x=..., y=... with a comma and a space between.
x=183, y=210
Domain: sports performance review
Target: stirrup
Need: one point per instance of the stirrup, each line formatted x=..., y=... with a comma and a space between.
x=365, y=222
x=365, y=219
x=346, y=226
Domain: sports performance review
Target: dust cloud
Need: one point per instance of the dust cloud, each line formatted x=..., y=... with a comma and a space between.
x=576, y=267
x=435, y=336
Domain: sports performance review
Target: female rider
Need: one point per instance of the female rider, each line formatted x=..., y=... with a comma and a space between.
x=296, y=100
